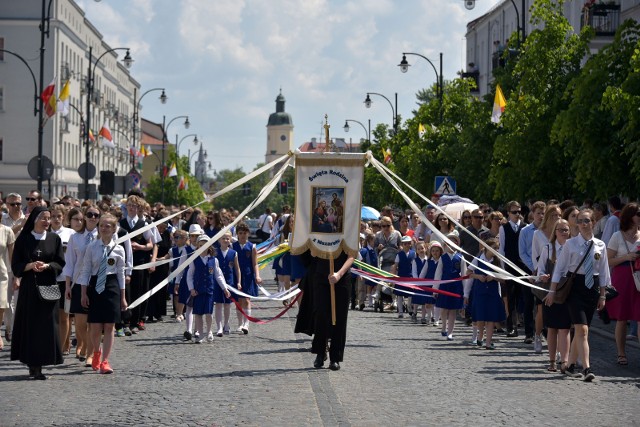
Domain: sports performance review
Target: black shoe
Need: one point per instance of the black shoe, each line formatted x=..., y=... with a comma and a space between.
x=334, y=366
x=319, y=362
x=353, y=306
x=587, y=375
x=570, y=371
x=528, y=340
x=512, y=333
x=361, y=307
x=187, y=336
x=32, y=371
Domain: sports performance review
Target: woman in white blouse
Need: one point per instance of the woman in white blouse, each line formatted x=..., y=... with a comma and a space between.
x=588, y=288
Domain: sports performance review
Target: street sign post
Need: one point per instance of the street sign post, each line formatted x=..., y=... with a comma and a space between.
x=444, y=185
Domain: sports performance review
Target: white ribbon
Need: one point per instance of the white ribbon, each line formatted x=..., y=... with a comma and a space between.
x=280, y=296
x=154, y=264
x=266, y=190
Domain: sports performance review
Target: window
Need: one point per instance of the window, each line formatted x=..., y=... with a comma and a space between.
x=1, y=150
x=1, y=47
x=1, y=98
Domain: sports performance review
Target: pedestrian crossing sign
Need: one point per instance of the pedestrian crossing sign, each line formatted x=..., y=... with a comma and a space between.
x=445, y=185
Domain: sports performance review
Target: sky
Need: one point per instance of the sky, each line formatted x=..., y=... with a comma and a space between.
x=223, y=62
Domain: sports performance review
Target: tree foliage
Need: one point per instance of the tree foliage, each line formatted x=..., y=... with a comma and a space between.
x=172, y=195
x=525, y=162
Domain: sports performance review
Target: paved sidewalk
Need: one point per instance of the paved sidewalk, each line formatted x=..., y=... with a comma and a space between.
x=394, y=373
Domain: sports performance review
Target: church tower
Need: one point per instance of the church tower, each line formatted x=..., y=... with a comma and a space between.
x=279, y=132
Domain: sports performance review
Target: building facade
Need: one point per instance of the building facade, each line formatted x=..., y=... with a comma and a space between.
x=488, y=35
x=71, y=37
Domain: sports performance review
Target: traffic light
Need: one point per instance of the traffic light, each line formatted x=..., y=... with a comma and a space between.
x=246, y=189
x=283, y=189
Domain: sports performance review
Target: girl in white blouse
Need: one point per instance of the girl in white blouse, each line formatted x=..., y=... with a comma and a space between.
x=103, y=290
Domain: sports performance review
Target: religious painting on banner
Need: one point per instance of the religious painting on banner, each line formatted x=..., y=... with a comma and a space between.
x=328, y=200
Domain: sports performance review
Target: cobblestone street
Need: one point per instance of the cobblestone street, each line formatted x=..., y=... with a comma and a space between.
x=394, y=373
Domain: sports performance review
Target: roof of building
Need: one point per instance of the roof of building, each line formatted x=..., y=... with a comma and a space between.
x=314, y=146
x=151, y=132
x=280, y=117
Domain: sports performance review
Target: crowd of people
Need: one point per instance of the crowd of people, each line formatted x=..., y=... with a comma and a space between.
x=83, y=250
x=538, y=245
x=485, y=266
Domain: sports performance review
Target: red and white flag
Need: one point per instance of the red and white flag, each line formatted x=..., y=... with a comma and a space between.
x=105, y=133
x=49, y=98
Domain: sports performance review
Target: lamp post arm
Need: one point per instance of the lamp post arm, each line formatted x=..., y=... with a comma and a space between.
x=363, y=127
x=33, y=76
x=393, y=110
x=95, y=64
x=427, y=59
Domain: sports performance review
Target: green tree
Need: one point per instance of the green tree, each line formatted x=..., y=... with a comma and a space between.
x=595, y=128
x=525, y=163
x=172, y=195
x=236, y=198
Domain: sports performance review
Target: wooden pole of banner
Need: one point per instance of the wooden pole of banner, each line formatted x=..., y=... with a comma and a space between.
x=333, y=294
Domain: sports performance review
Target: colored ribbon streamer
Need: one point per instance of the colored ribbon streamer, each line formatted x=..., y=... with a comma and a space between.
x=264, y=322
x=407, y=282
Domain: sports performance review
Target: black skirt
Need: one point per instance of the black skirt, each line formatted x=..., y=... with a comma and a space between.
x=557, y=316
x=76, y=305
x=582, y=301
x=104, y=307
x=63, y=288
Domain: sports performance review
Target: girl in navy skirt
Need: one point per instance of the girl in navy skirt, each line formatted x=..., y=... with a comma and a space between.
x=432, y=270
x=203, y=278
x=103, y=290
x=249, y=273
x=367, y=288
x=487, y=307
x=402, y=267
x=228, y=263
x=453, y=267
x=418, y=264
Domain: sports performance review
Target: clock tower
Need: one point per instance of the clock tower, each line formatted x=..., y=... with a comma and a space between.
x=279, y=131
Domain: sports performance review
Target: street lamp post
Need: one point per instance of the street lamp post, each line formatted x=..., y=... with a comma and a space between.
x=38, y=103
x=164, y=142
x=136, y=108
x=367, y=132
x=90, y=86
x=368, y=102
x=404, y=67
x=195, y=142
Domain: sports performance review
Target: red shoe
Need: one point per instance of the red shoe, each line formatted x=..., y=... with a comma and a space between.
x=141, y=325
x=105, y=368
x=95, y=363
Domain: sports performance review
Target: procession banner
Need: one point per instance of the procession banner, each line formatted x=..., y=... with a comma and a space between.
x=328, y=201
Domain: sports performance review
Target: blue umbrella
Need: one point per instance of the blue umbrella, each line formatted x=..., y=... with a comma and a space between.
x=368, y=213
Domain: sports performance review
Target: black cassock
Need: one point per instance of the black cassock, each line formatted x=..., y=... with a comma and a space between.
x=314, y=316
x=35, y=340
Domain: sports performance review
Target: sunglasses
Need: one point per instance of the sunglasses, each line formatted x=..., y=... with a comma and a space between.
x=92, y=215
x=466, y=217
x=30, y=199
x=15, y=204
x=478, y=217
x=584, y=221
x=515, y=212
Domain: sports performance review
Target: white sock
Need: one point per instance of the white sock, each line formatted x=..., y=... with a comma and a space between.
x=436, y=313
x=400, y=304
x=227, y=314
x=240, y=318
x=189, y=318
x=280, y=286
x=474, y=333
x=246, y=321
x=218, y=311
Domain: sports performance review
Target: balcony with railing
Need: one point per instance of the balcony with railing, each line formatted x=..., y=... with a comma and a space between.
x=603, y=18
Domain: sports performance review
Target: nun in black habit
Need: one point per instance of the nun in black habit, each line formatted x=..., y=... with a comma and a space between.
x=37, y=260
